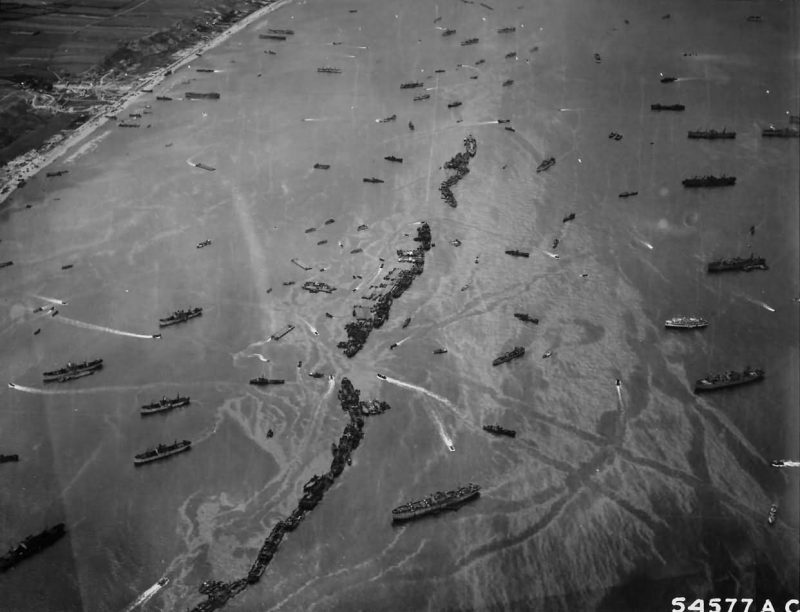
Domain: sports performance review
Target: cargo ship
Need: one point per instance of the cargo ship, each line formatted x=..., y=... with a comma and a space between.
x=455, y=104
x=517, y=351
x=72, y=369
x=500, y=431
x=709, y=181
x=546, y=164
x=745, y=264
x=164, y=404
x=421, y=97
x=780, y=132
x=261, y=381
x=667, y=107
x=411, y=85
x=203, y=166
x=516, y=253
x=506, y=30
x=439, y=351
x=728, y=379
x=372, y=180
x=685, y=322
x=329, y=70
x=32, y=545
x=162, y=451
x=180, y=316
x=712, y=134
x=435, y=503
x=393, y=158
x=448, y=32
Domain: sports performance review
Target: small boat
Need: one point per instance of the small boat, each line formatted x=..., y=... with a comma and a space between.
x=773, y=512
x=381, y=376
x=469, y=41
x=516, y=253
x=203, y=243
x=508, y=82
x=546, y=164
x=547, y=354
x=163, y=582
x=421, y=97
x=388, y=119
x=667, y=107
x=500, y=431
x=316, y=374
x=406, y=322
x=448, y=32
x=440, y=351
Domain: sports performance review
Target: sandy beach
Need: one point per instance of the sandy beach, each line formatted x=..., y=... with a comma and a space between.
x=622, y=488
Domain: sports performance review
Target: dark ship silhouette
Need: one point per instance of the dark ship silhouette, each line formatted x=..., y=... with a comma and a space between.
x=435, y=503
x=469, y=41
x=165, y=404
x=32, y=545
x=685, y=322
x=516, y=253
x=669, y=79
x=667, y=107
x=546, y=164
x=728, y=379
x=780, y=132
x=421, y=97
x=517, y=351
x=373, y=180
x=526, y=318
x=73, y=370
x=709, y=181
x=322, y=166
x=628, y=194
x=262, y=381
x=192, y=95
x=500, y=431
x=162, y=451
x=180, y=316
x=712, y=134
x=411, y=85
x=745, y=264
x=392, y=158
x=329, y=70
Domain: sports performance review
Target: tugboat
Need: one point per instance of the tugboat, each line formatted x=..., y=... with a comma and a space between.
x=435, y=503
x=746, y=264
x=500, y=431
x=685, y=322
x=261, y=381
x=516, y=253
x=162, y=451
x=440, y=351
x=728, y=379
x=73, y=370
x=709, y=181
x=32, y=545
x=526, y=318
x=711, y=134
x=372, y=180
x=773, y=512
x=164, y=404
x=667, y=107
x=517, y=351
x=180, y=316
x=546, y=164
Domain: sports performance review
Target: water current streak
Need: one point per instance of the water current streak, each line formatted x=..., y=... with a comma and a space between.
x=217, y=592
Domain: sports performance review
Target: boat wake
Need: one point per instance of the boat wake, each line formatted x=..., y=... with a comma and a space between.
x=249, y=351
x=331, y=386
x=789, y=463
x=315, y=119
x=553, y=255
x=109, y=330
x=644, y=243
x=12, y=385
x=145, y=597
x=448, y=441
x=435, y=396
x=51, y=300
x=310, y=327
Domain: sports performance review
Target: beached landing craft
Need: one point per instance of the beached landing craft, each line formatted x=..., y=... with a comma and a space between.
x=162, y=451
x=180, y=316
x=435, y=503
x=165, y=404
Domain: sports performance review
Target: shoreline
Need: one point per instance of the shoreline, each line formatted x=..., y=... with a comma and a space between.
x=29, y=164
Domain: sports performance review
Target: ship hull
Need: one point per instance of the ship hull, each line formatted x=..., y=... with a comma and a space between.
x=56, y=375
x=417, y=513
x=165, y=323
x=700, y=387
x=163, y=408
x=164, y=455
x=669, y=325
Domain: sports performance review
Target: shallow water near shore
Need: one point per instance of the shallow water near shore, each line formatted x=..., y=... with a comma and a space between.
x=603, y=501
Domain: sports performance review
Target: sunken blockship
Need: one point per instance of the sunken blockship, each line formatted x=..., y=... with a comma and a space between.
x=459, y=163
x=218, y=592
x=397, y=281
x=31, y=545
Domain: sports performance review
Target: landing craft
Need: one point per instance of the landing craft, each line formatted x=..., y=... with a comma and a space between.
x=381, y=376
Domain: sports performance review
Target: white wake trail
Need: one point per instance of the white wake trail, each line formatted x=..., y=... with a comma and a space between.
x=310, y=327
x=435, y=396
x=51, y=300
x=789, y=463
x=448, y=441
x=246, y=353
x=109, y=330
x=144, y=597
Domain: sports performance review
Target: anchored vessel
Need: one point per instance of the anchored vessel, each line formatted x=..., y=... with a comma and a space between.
x=712, y=134
x=685, y=322
x=628, y=194
x=517, y=351
x=506, y=30
x=411, y=85
x=322, y=166
x=278, y=335
x=454, y=104
x=516, y=253
x=469, y=41
x=500, y=431
x=9, y=458
x=161, y=452
x=261, y=380
x=372, y=180
x=667, y=107
x=32, y=545
x=546, y=164
x=73, y=370
x=421, y=97
x=746, y=264
x=393, y=158
x=709, y=181
x=781, y=132
x=526, y=317
x=435, y=503
x=448, y=32
x=180, y=316
x=728, y=379
x=165, y=404
x=329, y=70
x=440, y=351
